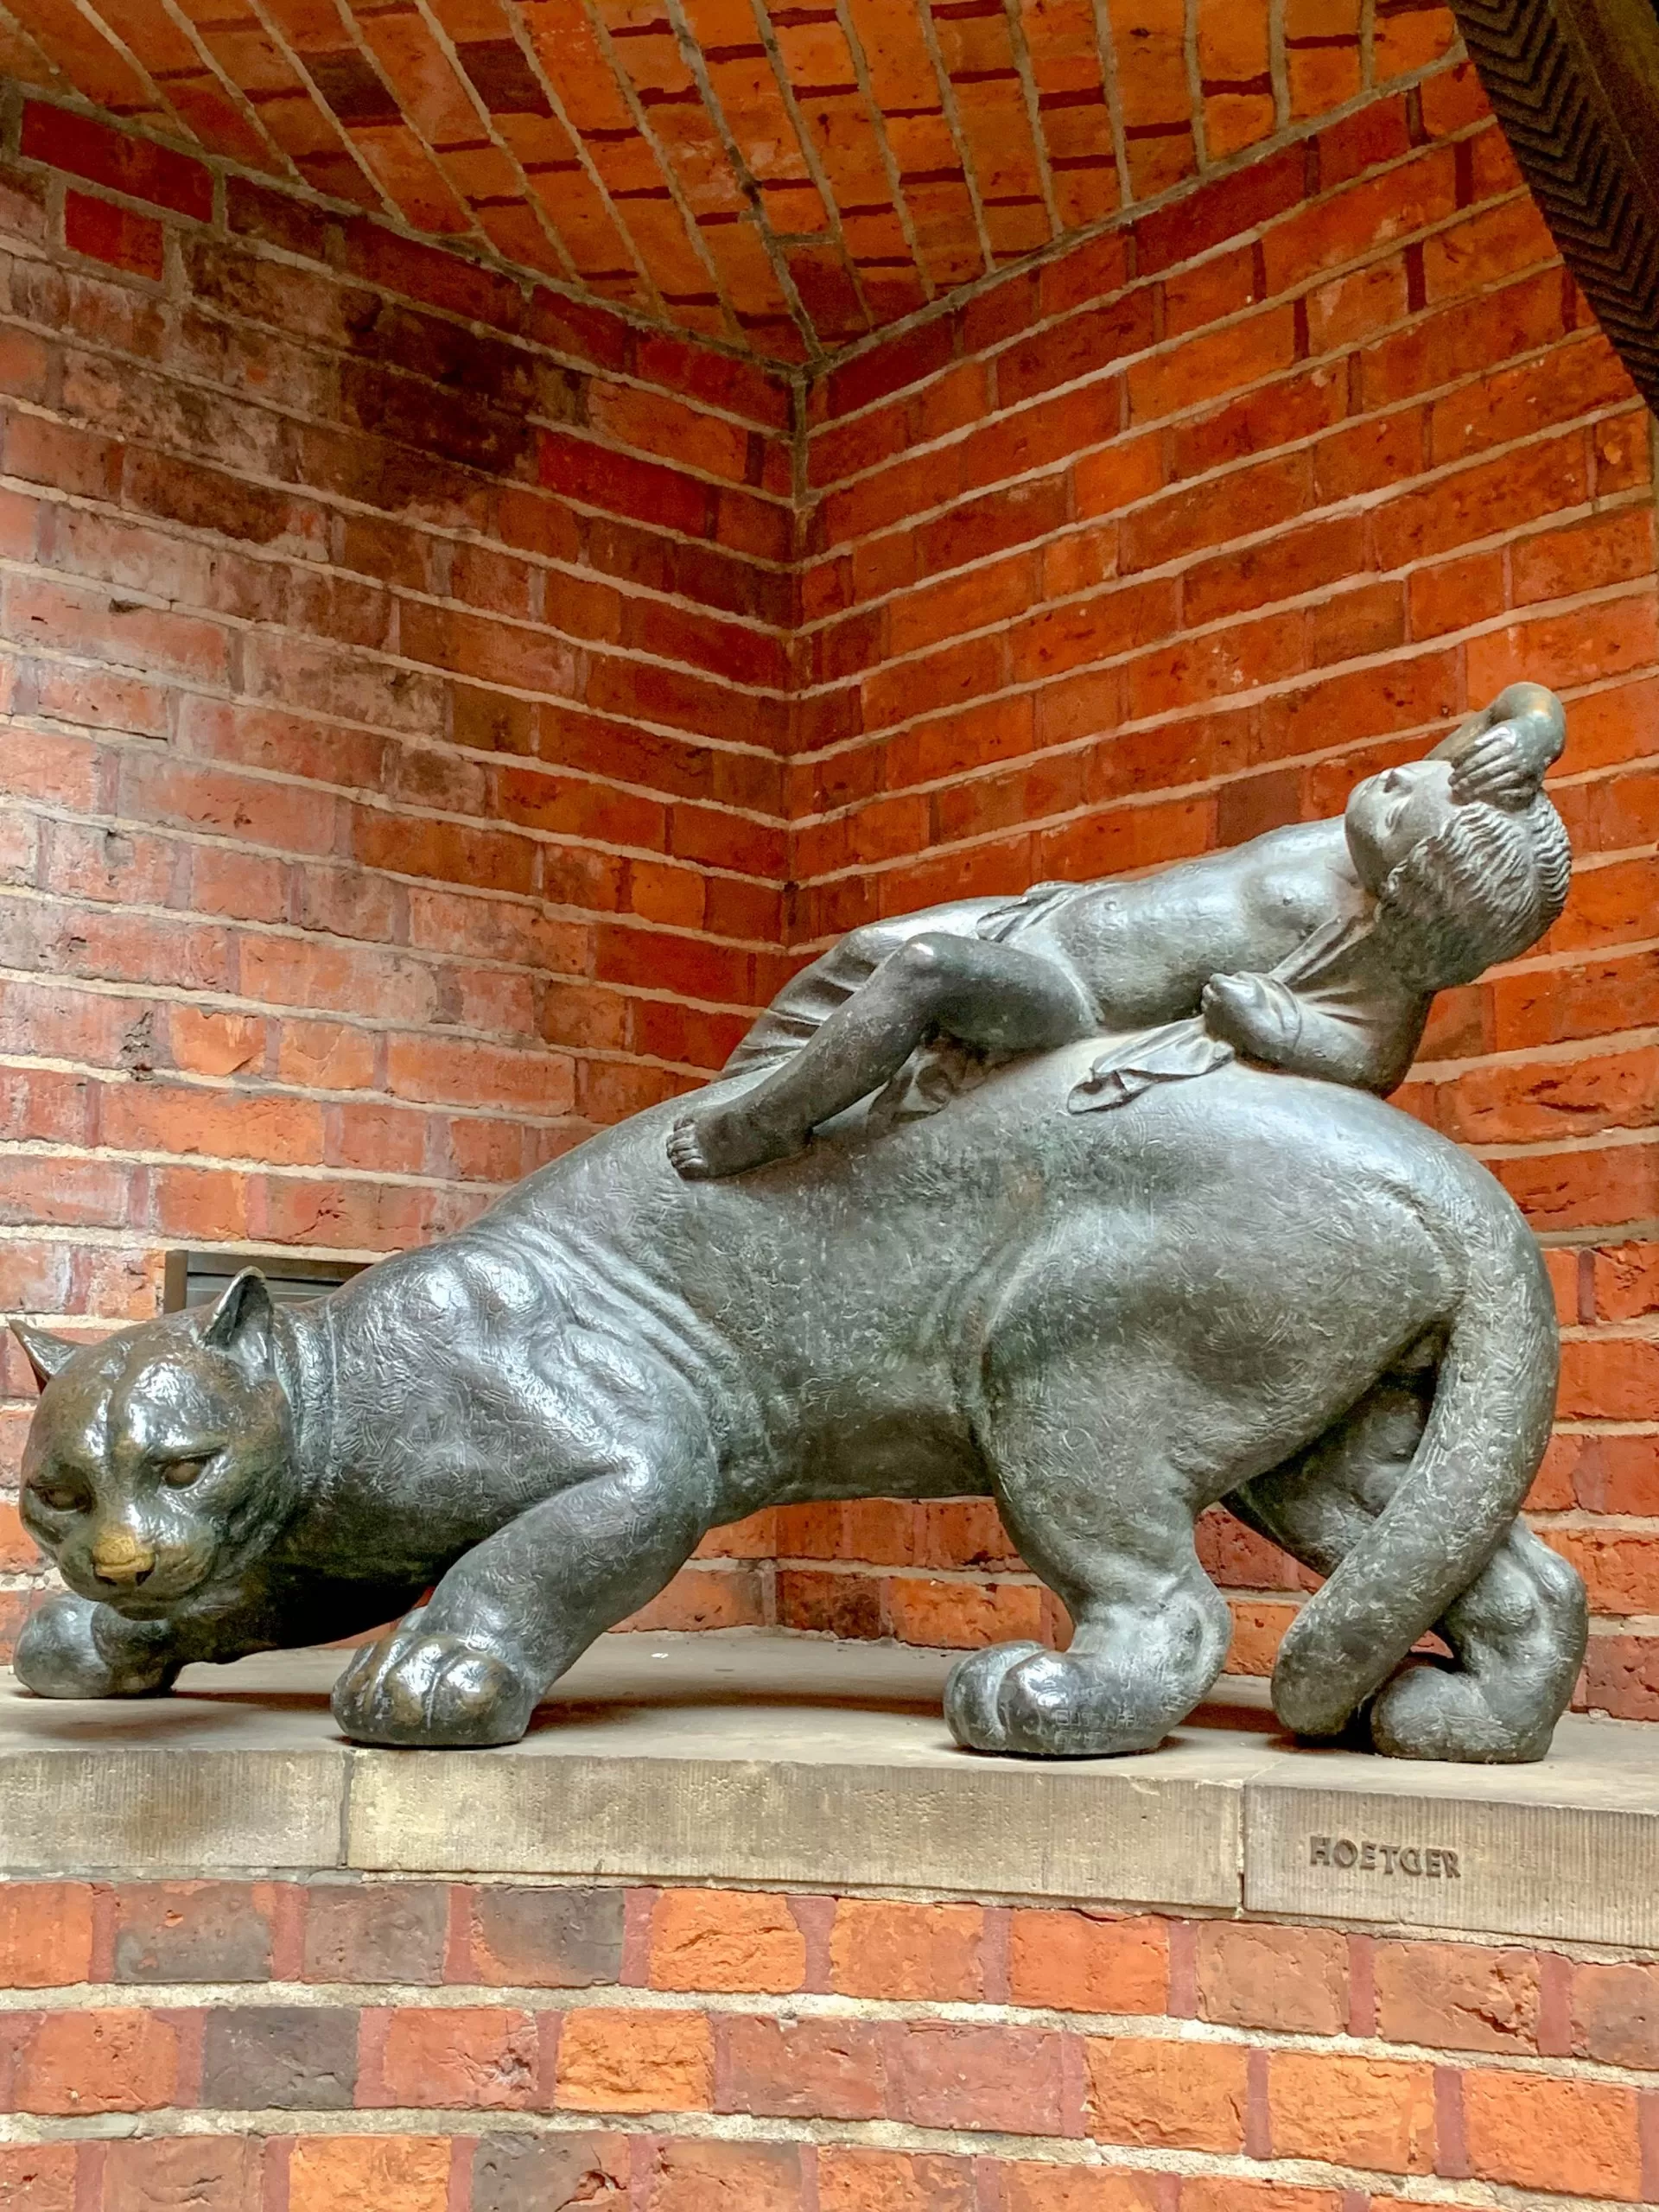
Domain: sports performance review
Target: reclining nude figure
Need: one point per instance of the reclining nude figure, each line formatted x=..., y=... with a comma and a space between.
x=1259, y=1290
x=1316, y=949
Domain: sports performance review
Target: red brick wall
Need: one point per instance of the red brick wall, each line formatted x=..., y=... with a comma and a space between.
x=1171, y=541
x=429, y=741
x=392, y=655
x=416, y=2047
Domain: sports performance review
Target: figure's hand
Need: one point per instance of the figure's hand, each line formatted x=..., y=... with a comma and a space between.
x=1499, y=769
x=72, y=1648
x=1256, y=1014
x=420, y=1686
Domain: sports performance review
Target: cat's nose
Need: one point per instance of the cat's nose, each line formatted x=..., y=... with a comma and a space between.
x=119, y=1557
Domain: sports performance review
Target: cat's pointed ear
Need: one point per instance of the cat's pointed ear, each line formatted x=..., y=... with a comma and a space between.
x=241, y=1322
x=47, y=1354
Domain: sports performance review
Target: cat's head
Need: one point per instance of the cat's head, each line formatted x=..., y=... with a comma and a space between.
x=161, y=1459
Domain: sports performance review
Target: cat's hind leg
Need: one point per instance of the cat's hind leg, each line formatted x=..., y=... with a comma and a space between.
x=1516, y=1635
x=469, y=1667
x=1091, y=1491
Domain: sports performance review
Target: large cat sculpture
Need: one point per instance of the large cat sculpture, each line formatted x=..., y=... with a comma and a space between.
x=1256, y=1289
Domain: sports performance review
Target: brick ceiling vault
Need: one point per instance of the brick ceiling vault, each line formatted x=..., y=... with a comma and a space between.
x=788, y=176
x=784, y=175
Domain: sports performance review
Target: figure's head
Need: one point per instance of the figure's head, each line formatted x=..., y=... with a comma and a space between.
x=160, y=1458
x=1459, y=886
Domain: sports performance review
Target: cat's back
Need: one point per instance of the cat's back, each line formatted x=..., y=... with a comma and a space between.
x=478, y=1296
x=598, y=1218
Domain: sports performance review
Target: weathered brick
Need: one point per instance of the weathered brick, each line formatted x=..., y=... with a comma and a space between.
x=546, y=1938
x=962, y=1615
x=194, y=1931
x=691, y=2177
x=907, y=1950
x=634, y=2061
x=1183, y=2095
x=225, y=2172
x=138, y=167
x=375, y=1931
x=1461, y=1997
x=537, y=2173
x=118, y=236
x=1356, y=2112
x=38, y=2177
x=894, y=2181
x=106, y=2060
x=1615, y=2012
x=46, y=1934
x=279, y=2056
x=942, y=2075
x=1257, y=1976
x=1577, y=2137
x=817, y=2069
x=1089, y=1962
x=1027, y=2187
x=1211, y=2193
x=372, y=2173
x=726, y=1939
x=464, y=2058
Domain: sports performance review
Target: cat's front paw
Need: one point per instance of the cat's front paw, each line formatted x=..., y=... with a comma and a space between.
x=72, y=1648
x=425, y=1690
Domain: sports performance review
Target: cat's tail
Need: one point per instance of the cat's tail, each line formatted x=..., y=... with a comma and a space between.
x=1479, y=1451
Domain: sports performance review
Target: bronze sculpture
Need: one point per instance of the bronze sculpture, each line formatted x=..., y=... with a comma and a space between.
x=1432, y=872
x=1261, y=1289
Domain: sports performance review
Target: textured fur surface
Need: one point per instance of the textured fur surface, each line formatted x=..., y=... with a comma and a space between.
x=1106, y=1322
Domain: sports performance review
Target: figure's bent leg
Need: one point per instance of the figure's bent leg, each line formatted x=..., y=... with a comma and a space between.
x=806, y=1001
x=983, y=994
x=1099, y=1510
x=1516, y=1635
x=469, y=1667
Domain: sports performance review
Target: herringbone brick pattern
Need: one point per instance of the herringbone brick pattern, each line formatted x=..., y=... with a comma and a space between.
x=788, y=178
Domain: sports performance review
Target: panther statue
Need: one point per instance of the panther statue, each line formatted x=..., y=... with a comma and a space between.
x=1257, y=1288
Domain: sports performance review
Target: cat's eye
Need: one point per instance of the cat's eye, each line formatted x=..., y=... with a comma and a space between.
x=61, y=1497
x=179, y=1474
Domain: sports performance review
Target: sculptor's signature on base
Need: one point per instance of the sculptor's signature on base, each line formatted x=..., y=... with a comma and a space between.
x=1419, y=1859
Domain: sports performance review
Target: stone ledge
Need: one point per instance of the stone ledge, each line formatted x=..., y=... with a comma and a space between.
x=750, y=1757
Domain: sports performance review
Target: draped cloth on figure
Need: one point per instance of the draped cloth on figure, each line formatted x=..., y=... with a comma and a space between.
x=1319, y=974
x=1176, y=1051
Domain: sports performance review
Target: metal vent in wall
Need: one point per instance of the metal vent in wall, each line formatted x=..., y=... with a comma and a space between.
x=197, y=1278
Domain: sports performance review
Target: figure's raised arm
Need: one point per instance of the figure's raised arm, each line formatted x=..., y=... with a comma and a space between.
x=1367, y=1041
x=1502, y=753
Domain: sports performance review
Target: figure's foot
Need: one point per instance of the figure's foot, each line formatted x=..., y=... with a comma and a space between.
x=725, y=1140
x=430, y=1691
x=71, y=1647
